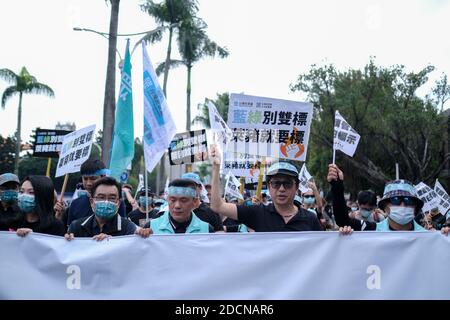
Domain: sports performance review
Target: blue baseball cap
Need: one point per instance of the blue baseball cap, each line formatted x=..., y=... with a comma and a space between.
x=8, y=177
x=192, y=176
x=282, y=168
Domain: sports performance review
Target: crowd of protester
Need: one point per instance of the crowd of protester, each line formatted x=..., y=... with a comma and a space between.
x=103, y=208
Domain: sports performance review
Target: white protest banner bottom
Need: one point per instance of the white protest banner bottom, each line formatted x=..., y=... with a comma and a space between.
x=365, y=265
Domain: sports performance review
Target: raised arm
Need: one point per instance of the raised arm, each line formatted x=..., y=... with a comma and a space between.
x=217, y=203
x=336, y=177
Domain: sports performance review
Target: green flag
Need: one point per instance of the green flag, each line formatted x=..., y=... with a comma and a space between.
x=122, y=151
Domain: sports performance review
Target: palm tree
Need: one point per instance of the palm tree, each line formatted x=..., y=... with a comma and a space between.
x=194, y=44
x=221, y=102
x=170, y=14
x=109, y=103
x=21, y=83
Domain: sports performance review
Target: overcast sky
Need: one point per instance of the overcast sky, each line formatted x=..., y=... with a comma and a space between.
x=270, y=44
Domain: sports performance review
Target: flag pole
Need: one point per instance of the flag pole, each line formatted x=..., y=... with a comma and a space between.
x=334, y=155
x=63, y=190
x=49, y=163
x=146, y=189
x=260, y=178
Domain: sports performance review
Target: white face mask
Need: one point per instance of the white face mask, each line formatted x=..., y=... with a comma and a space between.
x=401, y=215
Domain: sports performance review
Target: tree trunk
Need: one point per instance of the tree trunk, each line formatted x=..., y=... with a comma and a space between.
x=188, y=99
x=166, y=70
x=109, y=104
x=18, y=140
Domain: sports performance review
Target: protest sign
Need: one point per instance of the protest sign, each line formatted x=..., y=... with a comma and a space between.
x=304, y=178
x=48, y=142
x=269, y=127
x=188, y=147
x=345, y=138
x=75, y=150
x=429, y=197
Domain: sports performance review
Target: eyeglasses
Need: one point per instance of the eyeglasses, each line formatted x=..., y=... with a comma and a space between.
x=276, y=184
x=104, y=198
x=408, y=201
x=309, y=196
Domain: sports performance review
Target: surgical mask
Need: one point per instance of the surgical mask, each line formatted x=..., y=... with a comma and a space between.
x=26, y=203
x=401, y=215
x=143, y=203
x=354, y=209
x=9, y=196
x=309, y=200
x=105, y=209
x=365, y=213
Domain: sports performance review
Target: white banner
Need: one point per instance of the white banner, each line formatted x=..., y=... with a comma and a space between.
x=365, y=265
x=345, y=138
x=159, y=127
x=429, y=197
x=269, y=127
x=75, y=150
x=444, y=204
x=304, y=178
x=232, y=186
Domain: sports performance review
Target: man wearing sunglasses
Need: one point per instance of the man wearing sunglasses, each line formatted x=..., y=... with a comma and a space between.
x=281, y=215
x=399, y=202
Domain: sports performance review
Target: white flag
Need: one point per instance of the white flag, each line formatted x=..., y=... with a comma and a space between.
x=444, y=204
x=219, y=126
x=232, y=186
x=429, y=197
x=345, y=138
x=159, y=127
x=304, y=177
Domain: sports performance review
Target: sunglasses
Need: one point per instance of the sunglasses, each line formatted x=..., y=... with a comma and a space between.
x=276, y=184
x=408, y=201
x=309, y=196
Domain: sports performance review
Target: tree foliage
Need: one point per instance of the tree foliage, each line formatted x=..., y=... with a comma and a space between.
x=395, y=124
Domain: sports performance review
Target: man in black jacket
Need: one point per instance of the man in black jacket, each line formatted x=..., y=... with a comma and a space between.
x=105, y=222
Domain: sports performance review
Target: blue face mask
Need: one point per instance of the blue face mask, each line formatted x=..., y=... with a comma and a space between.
x=365, y=213
x=9, y=196
x=401, y=215
x=26, y=203
x=105, y=209
x=309, y=200
x=143, y=203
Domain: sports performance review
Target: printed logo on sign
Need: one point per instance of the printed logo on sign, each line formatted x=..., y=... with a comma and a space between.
x=374, y=280
x=74, y=278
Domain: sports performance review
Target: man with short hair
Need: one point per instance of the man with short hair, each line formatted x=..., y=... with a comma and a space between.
x=204, y=212
x=180, y=218
x=91, y=171
x=104, y=222
x=368, y=211
x=10, y=215
x=281, y=215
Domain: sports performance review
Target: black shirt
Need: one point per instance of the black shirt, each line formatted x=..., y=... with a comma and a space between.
x=266, y=219
x=53, y=227
x=231, y=224
x=204, y=213
x=10, y=217
x=137, y=215
x=88, y=227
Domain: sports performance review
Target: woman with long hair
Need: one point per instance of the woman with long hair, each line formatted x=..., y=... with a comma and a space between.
x=36, y=200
